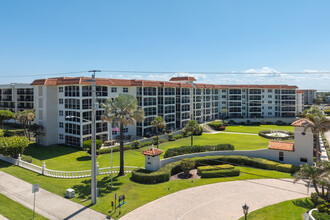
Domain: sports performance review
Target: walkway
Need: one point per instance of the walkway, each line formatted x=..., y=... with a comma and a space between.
x=327, y=135
x=219, y=200
x=3, y=217
x=48, y=204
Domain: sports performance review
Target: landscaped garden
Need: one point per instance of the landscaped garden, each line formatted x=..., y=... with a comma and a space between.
x=255, y=129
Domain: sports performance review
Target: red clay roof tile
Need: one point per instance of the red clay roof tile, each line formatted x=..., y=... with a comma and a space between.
x=152, y=152
x=281, y=145
x=302, y=122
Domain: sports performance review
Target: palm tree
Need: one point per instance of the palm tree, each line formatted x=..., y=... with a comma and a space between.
x=310, y=174
x=319, y=124
x=122, y=112
x=192, y=127
x=25, y=118
x=224, y=112
x=159, y=124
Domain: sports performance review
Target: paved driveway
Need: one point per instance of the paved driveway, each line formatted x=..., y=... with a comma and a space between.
x=219, y=200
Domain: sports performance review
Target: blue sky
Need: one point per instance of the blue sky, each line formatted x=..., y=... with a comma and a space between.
x=181, y=36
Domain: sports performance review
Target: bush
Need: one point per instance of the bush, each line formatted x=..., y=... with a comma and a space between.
x=327, y=112
x=187, y=165
x=324, y=207
x=147, y=143
x=178, y=136
x=135, y=145
x=316, y=199
x=287, y=168
x=170, y=137
x=2, y=133
x=219, y=173
x=88, y=144
x=159, y=176
x=195, y=149
x=215, y=124
x=162, y=140
x=215, y=167
x=222, y=128
x=320, y=215
x=13, y=146
x=27, y=158
x=114, y=149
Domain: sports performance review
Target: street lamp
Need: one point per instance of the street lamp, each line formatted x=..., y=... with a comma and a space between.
x=245, y=210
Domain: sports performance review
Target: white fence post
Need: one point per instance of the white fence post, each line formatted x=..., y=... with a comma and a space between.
x=19, y=159
x=43, y=168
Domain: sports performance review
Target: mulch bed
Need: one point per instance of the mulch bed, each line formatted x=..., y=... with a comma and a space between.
x=181, y=176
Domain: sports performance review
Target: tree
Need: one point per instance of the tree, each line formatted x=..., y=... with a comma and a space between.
x=319, y=124
x=122, y=112
x=6, y=115
x=187, y=165
x=36, y=131
x=192, y=127
x=87, y=145
x=159, y=124
x=25, y=118
x=308, y=173
x=224, y=113
x=315, y=111
x=13, y=146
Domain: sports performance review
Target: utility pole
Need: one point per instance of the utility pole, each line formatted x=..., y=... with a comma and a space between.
x=94, y=171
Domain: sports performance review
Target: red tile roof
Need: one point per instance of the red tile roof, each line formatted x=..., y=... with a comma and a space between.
x=150, y=83
x=300, y=91
x=281, y=145
x=152, y=152
x=183, y=78
x=302, y=122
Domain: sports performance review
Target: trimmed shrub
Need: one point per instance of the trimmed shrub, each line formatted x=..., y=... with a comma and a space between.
x=159, y=176
x=170, y=137
x=222, y=128
x=196, y=148
x=320, y=215
x=215, y=124
x=216, y=167
x=187, y=165
x=13, y=146
x=88, y=144
x=325, y=207
x=327, y=112
x=135, y=145
x=316, y=199
x=162, y=140
x=27, y=158
x=287, y=168
x=147, y=143
x=114, y=149
x=178, y=136
x=219, y=173
x=2, y=133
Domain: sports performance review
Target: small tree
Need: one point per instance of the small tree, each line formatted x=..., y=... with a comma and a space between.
x=187, y=165
x=13, y=146
x=25, y=118
x=6, y=115
x=87, y=145
x=192, y=127
x=159, y=124
x=224, y=113
x=36, y=131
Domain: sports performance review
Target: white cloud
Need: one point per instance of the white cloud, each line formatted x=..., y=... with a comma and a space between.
x=197, y=76
x=262, y=70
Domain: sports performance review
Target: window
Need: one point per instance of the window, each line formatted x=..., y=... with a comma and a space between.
x=72, y=103
x=302, y=159
x=270, y=96
x=270, y=107
x=280, y=156
x=73, y=141
x=72, y=129
x=61, y=124
x=114, y=132
x=125, y=90
x=224, y=96
x=269, y=113
x=61, y=136
x=223, y=90
x=60, y=89
x=113, y=89
x=125, y=130
x=270, y=90
x=72, y=91
x=60, y=101
x=60, y=113
x=270, y=102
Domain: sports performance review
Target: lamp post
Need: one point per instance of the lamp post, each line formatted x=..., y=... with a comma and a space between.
x=245, y=210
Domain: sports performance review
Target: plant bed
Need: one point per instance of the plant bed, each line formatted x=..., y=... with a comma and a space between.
x=180, y=176
x=277, y=135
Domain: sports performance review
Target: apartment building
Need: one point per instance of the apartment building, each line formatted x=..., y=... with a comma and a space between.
x=309, y=96
x=177, y=101
x=300, y=101
x=16, y=97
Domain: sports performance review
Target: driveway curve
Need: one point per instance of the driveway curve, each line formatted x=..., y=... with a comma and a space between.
x=220, y=200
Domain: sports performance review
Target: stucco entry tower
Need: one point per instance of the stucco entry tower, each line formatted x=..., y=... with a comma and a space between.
x=152, y=158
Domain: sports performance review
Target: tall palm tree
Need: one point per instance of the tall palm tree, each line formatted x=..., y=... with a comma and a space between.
x=122, y=112
x=319, y=124
x=192, y=127
x=25, y=118
x=159, y=124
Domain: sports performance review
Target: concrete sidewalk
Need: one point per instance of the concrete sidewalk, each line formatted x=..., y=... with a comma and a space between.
x=3, y=217
x=220, y=200
x=48, y=204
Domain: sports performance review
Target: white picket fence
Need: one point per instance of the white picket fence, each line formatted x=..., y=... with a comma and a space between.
x=63, y=174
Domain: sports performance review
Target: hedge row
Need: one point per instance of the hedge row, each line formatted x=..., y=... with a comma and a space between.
x=327, y=112
x=215, y=124
x=197, y=148
x=216, y=167
x=265, y=132
x=219, y=173
x=159, y=176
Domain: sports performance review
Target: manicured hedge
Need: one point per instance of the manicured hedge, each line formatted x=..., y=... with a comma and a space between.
x=264, y=132
x=2, y=133
x=287, y=168
x=197, y=148
x=327, y=112
x=215, y=124
x=216, y=167
x=114, y=149
x=159, y=176
x=219, y=173
x=87, y=145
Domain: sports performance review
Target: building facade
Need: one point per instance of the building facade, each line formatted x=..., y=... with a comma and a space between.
x=16, y=97
x=63, y=105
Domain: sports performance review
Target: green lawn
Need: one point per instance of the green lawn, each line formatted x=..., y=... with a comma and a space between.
x=254, y=129
x=13, y=210
x=136, y=194
x=65, y=158
x=291, y=209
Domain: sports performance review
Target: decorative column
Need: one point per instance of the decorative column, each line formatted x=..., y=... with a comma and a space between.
x=43, y=168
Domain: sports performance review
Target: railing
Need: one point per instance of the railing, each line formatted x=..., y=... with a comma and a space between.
x=63, y=174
